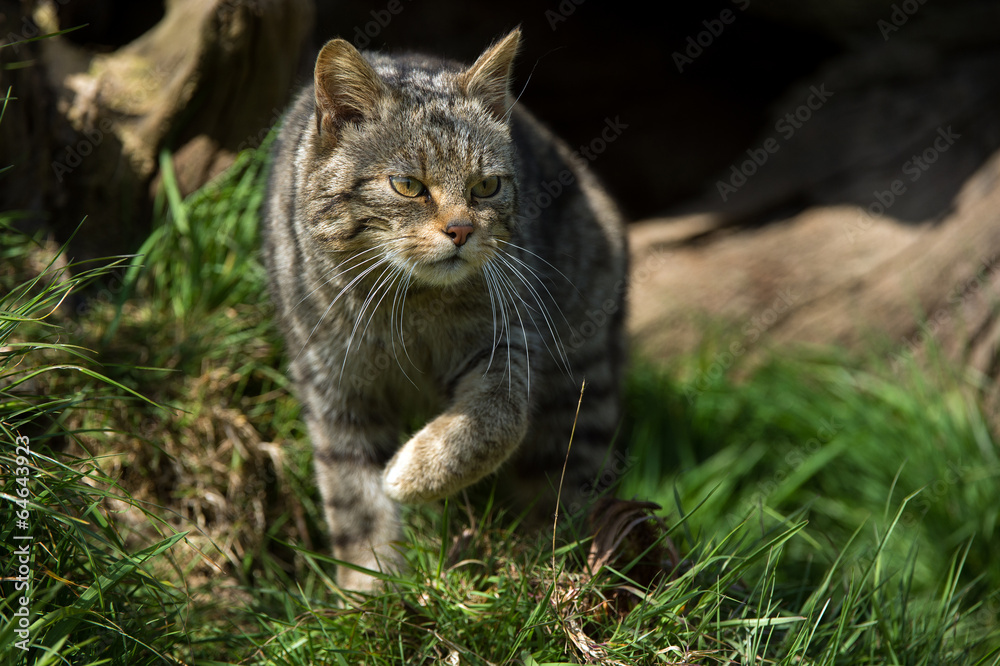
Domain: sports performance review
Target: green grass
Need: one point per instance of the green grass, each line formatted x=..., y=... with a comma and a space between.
x=820, y=509
x=89, y=595
x=840, y=445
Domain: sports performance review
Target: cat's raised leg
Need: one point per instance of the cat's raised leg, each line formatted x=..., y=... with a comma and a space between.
x=483, y=426
x=362, y=520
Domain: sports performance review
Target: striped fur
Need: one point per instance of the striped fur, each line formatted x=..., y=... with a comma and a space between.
x=391, y=320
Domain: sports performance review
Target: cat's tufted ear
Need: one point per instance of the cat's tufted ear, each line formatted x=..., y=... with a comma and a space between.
x=347, y=87
x=489, y=77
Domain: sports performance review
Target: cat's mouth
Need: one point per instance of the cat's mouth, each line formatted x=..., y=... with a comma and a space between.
x=454, y=268
x=450, y=267
x=453, y=257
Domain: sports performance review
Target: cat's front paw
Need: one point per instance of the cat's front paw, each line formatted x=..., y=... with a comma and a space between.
x=417, y=472
x=451, y=452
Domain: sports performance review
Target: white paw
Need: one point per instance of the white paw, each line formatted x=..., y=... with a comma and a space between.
x=394, y=478
x=415, y=473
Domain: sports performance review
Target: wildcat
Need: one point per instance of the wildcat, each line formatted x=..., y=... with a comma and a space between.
x=414, y=283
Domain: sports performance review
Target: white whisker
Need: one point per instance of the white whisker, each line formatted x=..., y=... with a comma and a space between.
x=349, y=285
x=542, y=259
x=541, y=281
x=379, y=282
x=560, y=352
x=493, y=313
x=507, y=286
x=398, y=276
x=496, y=303
x=327, y=280
x=402, y=314
x=506, y=116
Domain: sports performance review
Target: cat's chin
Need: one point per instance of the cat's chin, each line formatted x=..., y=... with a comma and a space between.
x=445, y=273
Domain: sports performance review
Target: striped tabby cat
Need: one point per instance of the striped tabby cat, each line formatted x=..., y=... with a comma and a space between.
x=414, y=285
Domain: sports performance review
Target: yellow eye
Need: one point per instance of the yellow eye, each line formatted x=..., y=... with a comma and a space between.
x=487, y=187
x=408, y=187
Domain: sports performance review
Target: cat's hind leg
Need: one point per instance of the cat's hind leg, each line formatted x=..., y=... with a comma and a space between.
x=573, y=449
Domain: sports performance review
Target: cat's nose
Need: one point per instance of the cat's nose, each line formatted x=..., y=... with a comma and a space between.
x=459, y=231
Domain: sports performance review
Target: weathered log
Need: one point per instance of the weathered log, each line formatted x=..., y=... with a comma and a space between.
x=206, y=81
x=873, y=217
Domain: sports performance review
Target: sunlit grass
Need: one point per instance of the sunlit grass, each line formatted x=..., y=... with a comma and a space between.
x=820, y=509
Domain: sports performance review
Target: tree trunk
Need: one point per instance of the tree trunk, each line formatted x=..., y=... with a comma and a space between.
x=869, y=216
x=210, y=78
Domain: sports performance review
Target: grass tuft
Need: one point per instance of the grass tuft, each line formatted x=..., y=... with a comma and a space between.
x=72, y=589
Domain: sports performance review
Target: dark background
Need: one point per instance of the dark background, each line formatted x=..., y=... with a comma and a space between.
x=604, y=60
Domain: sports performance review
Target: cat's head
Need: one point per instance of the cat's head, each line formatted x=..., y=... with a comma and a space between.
x=413, y=159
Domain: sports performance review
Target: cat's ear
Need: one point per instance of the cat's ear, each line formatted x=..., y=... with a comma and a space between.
x=347, y=87
x=489, y=77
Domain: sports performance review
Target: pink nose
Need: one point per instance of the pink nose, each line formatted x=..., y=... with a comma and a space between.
x=459, y=231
